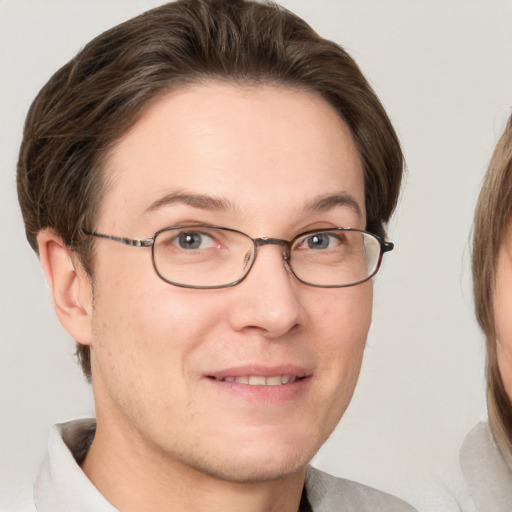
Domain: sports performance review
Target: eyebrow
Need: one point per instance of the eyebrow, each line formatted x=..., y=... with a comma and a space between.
x=201, y=201
x=330, y=201
x=206, y=202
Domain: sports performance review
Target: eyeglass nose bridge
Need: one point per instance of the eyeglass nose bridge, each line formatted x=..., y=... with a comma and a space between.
x=258, y=242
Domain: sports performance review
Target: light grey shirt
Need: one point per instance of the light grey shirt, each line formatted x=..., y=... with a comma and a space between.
x=62, y=486
x=487, y=476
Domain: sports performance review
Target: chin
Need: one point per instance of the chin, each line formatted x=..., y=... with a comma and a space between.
x=253, y=471
x=253, y=462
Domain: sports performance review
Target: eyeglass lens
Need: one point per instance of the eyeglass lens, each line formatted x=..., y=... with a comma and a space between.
x=209, y=257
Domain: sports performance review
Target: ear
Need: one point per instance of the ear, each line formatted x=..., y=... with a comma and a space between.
x=69, y=285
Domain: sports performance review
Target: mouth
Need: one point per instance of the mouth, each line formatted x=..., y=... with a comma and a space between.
x=260, y=380
x=261, y=384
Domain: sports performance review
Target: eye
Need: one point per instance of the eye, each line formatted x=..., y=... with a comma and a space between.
x=194, y=240
x=321, y=241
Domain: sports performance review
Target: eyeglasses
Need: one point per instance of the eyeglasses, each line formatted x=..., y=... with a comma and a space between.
x=203, y=256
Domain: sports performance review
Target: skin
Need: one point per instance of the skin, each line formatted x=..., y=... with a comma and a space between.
x=168, y=436
x=502, y=307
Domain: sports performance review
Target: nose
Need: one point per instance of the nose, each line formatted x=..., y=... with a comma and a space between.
x=268, y=300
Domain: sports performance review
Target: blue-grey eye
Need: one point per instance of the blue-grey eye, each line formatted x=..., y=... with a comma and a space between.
x=319, y=241
x=194, y=240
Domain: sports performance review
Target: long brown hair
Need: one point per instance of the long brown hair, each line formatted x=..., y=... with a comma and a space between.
x=493, y=215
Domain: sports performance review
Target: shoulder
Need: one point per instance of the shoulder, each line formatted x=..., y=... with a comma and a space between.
x=480, y=457
x=479, y=442
x=485, y=470
x=327, y=493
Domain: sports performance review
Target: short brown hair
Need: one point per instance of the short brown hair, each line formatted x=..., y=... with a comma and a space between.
x=96, y=97
x=493, y=214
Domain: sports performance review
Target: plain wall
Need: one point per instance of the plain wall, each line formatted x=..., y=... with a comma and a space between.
x=443, y=69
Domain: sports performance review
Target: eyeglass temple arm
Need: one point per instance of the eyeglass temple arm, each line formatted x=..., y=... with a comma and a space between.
x=143, y=242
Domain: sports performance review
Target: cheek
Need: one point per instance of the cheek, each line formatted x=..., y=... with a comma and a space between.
x=504, y=354
x=144, y=337
x=346, y=314
x=502, y=304
x=343, y=321
x=503, y=320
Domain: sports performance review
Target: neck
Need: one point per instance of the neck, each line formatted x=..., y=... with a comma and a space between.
x=135, y=478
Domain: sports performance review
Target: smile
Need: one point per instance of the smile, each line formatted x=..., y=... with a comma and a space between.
x=261, y=384
x=258, y=380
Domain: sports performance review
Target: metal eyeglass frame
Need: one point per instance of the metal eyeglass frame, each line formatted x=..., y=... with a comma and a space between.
x=258, y=242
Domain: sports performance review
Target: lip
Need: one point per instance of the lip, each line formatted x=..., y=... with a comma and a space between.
x=258, y=370
x=300, y=379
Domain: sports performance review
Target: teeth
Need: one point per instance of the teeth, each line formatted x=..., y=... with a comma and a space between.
x=258, y=380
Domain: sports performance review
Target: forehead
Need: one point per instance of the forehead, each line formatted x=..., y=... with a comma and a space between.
x=256, y=147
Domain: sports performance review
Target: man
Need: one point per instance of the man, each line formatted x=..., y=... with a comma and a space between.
x=207, y=187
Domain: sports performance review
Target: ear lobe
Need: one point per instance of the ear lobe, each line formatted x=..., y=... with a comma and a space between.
x=69, y=285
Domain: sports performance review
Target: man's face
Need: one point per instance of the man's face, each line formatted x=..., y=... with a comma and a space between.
x=159, y=352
